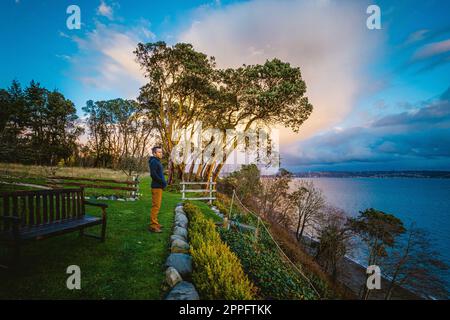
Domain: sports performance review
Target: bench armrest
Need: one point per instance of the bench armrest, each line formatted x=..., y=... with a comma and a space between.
x=11, y=219
x=101, y=205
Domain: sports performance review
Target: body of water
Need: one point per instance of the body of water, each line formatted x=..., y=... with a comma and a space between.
x=426, y=202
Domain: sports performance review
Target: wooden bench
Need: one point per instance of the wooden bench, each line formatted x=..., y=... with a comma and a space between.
x=39, y=214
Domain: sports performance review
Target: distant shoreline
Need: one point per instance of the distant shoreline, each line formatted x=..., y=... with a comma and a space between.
x=413, y=174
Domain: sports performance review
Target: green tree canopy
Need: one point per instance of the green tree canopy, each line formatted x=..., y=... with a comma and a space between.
x=184, y=86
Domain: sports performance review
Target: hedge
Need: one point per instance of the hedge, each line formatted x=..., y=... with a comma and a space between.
x=217, y=271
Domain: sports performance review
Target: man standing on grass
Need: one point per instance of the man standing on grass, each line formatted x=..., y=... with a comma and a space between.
x=158, y=184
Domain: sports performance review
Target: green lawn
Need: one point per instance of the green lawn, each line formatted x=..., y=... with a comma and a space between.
x=129, y=265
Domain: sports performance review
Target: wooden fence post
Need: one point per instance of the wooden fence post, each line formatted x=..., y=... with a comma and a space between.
x=183, y=190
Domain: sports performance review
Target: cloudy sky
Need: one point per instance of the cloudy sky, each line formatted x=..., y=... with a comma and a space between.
x=381, y=97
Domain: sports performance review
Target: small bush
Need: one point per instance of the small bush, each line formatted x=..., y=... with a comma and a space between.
x=217, y=273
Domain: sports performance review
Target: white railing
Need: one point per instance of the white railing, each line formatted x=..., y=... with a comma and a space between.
x=209, y=189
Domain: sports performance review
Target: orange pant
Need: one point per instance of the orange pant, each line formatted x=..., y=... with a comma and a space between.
x=156, y=205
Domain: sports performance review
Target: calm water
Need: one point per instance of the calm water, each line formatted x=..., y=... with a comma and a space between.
x=423, y=201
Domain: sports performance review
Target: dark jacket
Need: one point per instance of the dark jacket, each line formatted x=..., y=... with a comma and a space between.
x=157, y=174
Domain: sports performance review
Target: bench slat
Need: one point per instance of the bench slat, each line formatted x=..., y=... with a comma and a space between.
x=58, y=206
x=38, y=209
x=69, y=205
x=83, y=208
x=44, y=208
x=5, y=211
x=79, y=203
x=15, y=211
x=63, y=205
x=42, y=231
x=23, y=214
x=51, y=211
x=30, y=209
x=74, y=204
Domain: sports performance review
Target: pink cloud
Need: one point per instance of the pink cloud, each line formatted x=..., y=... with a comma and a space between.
x=432, y=49
x=328, y=40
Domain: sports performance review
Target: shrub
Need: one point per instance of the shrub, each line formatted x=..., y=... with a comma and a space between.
x=267, y=269
x=217, y=273
x=246, y=182
x=223, y=204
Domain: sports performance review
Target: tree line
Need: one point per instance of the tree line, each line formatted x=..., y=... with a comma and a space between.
x=37, y=126
x=41, y=127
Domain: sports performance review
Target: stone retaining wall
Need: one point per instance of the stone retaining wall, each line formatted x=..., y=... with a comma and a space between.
x=179, y=262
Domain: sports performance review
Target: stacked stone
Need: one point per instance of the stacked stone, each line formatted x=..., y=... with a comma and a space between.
x=217, y=212
x=179, y=262
x=116, y=198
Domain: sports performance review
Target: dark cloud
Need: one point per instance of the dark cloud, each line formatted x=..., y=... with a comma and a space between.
x=436, y=112
x=419, y=138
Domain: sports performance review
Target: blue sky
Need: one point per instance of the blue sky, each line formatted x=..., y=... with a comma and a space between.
x=381, y=97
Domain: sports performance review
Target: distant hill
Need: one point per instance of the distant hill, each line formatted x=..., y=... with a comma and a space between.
x=374, y=174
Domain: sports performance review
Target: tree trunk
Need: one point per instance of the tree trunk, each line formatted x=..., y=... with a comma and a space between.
x=200, y=168
x=171, y=170
x=208, y=172
x=180, y=171
x=191, y=170
x=365, y=291
x=217, y=171
x=300, y=216
x=389, y=292
x=334, y=271
x=303, y=228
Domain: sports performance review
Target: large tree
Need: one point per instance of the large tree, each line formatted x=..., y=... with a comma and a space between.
x=308, y=202
x=185, y=87
x=414, y=264
x=378, y=230
x=333, y=239
x=272, y=195
x=178, y=89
